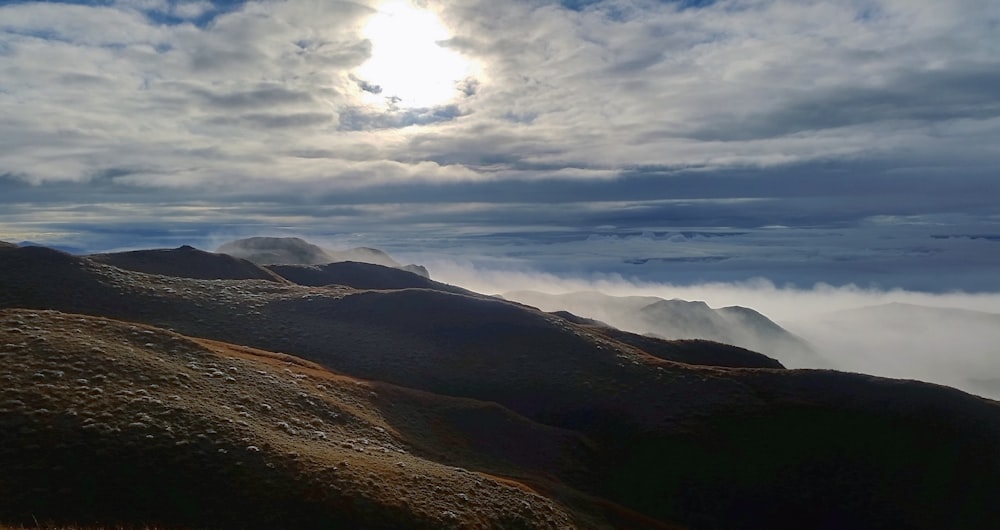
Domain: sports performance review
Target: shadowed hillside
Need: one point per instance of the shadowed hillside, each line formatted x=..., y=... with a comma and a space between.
x=706, y=447
x=187, y=262
x=359, y=276
x=4, y=244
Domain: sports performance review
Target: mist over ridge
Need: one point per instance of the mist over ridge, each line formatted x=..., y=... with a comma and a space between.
x=949, y=338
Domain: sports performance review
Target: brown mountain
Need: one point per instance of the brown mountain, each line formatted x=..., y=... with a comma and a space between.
x=4, y=244
x=187, y=262
x=108, y=422
x=699, y=446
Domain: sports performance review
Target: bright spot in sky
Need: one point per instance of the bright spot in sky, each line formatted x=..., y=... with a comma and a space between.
x=407, y=62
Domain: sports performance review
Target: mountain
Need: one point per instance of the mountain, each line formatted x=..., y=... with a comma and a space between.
x=296, y=251
x=359, y=276
x=419, y=270
x=187, y=262
x=625, y=439
x=696, y=351
x=65, y=248
x=271, y=250
x=680, y=319
x=4, y=244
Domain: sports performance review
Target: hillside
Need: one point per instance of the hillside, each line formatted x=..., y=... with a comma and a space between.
x=359, y=276
x=107, y=422
x=699, y=446
x=187, y=262
x=681, y=319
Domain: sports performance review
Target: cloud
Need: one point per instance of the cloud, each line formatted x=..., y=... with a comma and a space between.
x=362, y=119
x=945, y=338
x=603, y=84
x=872, y=119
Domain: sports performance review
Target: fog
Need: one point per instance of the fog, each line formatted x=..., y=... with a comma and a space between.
x=951, y=339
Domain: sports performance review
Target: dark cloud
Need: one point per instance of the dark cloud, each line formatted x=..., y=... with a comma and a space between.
x=266, y=96
x=274, y=121
x=362, y=119
x=371, y=88
x=922, y=97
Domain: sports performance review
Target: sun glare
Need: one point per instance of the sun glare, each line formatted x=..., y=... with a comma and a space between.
x=408, y=66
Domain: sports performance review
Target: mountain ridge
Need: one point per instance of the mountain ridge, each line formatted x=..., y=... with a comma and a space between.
x=360, y=276
x=187, y=262
x=681, y=319
x=297, y=251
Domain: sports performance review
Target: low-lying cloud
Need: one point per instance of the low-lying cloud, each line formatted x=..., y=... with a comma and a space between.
x=949, y=338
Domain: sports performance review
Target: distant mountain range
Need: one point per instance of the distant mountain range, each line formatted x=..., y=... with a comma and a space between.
x=296, y=251
x=176, y=400
x=681, y=319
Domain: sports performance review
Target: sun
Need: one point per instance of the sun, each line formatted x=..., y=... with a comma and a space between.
x=409, y=66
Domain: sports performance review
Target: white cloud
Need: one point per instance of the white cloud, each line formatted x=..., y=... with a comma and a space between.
x=76, y=24
x=259, y=112
x=597, y=92
x=192, y=10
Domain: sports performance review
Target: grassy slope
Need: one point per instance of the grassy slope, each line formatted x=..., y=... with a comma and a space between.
x=105, y=421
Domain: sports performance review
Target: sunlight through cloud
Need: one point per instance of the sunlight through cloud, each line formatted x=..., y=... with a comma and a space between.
x=409, y=67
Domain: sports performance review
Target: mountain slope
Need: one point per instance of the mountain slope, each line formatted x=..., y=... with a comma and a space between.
x=110, y=422
x=186, y=262
x=359, y=276
x=706, y=447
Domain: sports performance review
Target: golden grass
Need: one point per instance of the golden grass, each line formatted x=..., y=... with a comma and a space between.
x=269, y=421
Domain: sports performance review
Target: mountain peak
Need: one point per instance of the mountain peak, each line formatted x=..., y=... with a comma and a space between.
x=186, y=262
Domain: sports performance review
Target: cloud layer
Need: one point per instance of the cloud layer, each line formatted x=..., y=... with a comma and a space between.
x=949, y=338
x=131, y=119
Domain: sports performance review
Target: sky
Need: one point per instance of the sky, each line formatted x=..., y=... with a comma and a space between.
x=849, y=143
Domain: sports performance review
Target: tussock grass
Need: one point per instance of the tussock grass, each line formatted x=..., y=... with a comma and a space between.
x=102, y=420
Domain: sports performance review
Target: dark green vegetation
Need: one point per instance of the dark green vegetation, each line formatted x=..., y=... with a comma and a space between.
x=599, y=422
